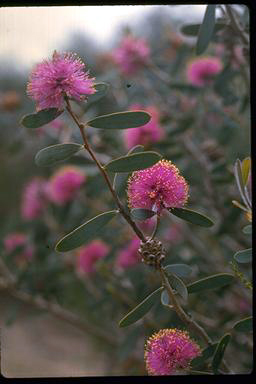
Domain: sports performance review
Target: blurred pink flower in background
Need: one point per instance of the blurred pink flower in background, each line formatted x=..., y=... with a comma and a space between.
x=201, y=71
x=16, y=239
x=158, y=187
x=64, y=183
x=173, y=234
x=55, y=127
x=168, y=351
x=129, y=256
x=147, y=134
x=132, y=54
x=147, y=225
x=63, y=74
x=33, y=199
x=89, y=254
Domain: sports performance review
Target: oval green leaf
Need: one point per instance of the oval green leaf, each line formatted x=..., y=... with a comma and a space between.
x=133, y=162
x=177, y=284
x=164, y=297
x=245, y=168
x=239, y=180
x=36, y=120
x=245, y=325
x=247, y=230
x=121, y=120
x=56, y=153
x=206, y=353
x=142, y=214
x=219, y=353
x=244, y=256
x=120, y=179
x=182, y=270
x=141, y=309
x=84, y=232
x=211, y=282
x=192, y=30
x=192, y=217
x=206, y=29
x=102, y=89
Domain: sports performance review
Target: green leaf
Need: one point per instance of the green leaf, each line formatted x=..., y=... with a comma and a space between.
x=102, y=89
x=164, y=297
x=244, y=256
x=219, y=353
x=183, y=87
x=245, y=325
x=141, y=309
x=120, y=179
x=84, y=232
x=133, y=162
x=121, y=120
x=247, y=230
x=206, y=353
x=192, y=30
x=206, y=29
x=245, y=168
x=211, y=282
x=178, y=285
x=182, y=270
x=192, y=216
x=56, y=153
x=142, y=214
x=36, y=120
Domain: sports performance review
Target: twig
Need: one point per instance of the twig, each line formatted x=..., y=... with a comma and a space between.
x=235, y=25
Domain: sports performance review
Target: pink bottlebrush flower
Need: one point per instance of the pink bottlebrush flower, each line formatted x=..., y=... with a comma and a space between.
x=129, y=256
x=15, y=240
x=33, y=199
x=158, y=187
x=88, y=255
x=169, y=351
x=132, y=54
x=201, y=72
x=147, y=134
x=64, y=184
x=52, y=79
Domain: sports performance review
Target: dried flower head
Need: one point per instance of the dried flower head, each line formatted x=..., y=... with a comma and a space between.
x=158, y=187
x=63, y=75
x=88, y=255
x=33, y=199
x=169, y=351
x=147, y=134
x=201, y=72
x=132, y=54
x=64, y=184
x=129, y=256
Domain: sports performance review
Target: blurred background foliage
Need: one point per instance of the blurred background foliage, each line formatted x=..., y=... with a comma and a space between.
x=207, y=129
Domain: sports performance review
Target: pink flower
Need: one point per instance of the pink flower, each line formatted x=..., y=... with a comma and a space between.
x=33, y=199
x=15, y=240
x=132, y=54
x=147, y=134
x=201, y=72
x=52, y=79
x=64, y=184
x=169, y=351
x=173, y=235
x=129, y=256
x=88, y=255
x=158, y=187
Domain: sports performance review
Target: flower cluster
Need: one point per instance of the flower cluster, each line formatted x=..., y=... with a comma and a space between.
x=129, y=256
x=33, y=199
x=147, y=134
x=201, y=72
x=15, y=240
x=88, y=255
x=64, y=183
x=132, y=54
x=52, y=79
x=169, y=351
x=158, y=187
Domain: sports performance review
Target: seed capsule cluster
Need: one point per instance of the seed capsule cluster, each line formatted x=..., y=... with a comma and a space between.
x=152, y=252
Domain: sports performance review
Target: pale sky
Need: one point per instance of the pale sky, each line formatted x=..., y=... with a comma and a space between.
x=29, y=34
